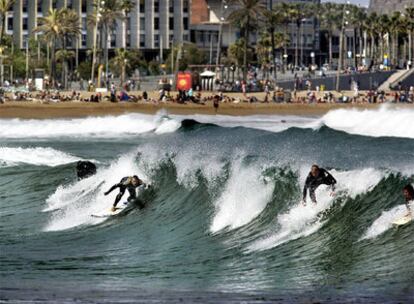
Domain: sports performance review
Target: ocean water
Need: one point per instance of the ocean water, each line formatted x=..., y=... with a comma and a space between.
x=222, y=222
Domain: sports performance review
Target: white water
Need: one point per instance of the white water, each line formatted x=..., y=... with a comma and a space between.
x=244, y=197
x=35, y=156
x=300, y=221
x=384, y=222
x=108, y=126
x=71, y=206
x=385, y=121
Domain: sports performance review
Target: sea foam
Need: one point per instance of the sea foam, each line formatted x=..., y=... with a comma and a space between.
x=385, y=121
x=35, y=156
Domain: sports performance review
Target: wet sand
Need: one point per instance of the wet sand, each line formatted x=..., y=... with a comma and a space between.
x=33, y=110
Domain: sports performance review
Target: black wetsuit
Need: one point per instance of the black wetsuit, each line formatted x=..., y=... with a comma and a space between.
x=313, y=182
x=125, y=184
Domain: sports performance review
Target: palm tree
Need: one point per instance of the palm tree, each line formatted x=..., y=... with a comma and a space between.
x=126, y=6
x=371, y=27
x=121, y=59
x=70, y=29
x=5, y=6
x=409, y=13
x=358, y=16
x=50, y=27
x=109, y=12
x=63, y=56
x=383, y=28
x=330, y=22
x=273, y=19
x=58, y=25
x=297, y=13
x=246, y=18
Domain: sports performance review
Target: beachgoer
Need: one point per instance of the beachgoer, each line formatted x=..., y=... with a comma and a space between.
x=216, y=102
x=317, y=176
x=408, y=192
x=130, y=183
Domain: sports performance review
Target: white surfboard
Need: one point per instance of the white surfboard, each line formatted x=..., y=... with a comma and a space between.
x=402, y=221
x=110, y=213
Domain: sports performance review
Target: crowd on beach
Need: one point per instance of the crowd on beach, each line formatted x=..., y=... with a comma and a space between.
x=277, y=95
x=304, y=92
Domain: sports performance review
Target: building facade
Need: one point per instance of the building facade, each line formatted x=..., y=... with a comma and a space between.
x=389, y=6
x=151, y=24
x=208, y=15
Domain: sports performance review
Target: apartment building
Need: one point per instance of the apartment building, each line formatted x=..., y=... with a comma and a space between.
x=151, y=24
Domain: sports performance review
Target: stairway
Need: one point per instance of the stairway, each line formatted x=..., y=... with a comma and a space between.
x=394, y=79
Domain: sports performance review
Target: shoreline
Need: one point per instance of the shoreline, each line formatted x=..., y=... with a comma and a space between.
x=31, y=110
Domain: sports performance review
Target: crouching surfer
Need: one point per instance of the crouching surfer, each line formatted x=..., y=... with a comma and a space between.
x=408, y=192
x=130, y=183
x=317, y=176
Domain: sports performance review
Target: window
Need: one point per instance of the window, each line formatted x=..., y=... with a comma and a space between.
x=185, y=6
x=156, y=6
x=25, y=4
x=10, y=23
x=113, y=41
x=84, y=6
x=142, y=40
x=141, y=6
x=128, y=24
x=128, y=41
x=69, y=4
x=39, y=6
x=185, y=23
x=83, y=40
x=25, y=25
x=185, y=37
x=156, y=23
x=54, y=4
x=142, y=24
x=171, y=23
x=171, y=8
x=84, y=24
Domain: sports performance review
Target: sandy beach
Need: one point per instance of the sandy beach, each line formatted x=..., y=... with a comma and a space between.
x=27, y=110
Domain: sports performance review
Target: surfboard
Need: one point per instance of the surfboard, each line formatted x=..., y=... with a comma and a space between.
x=402, y=221
x=110, y=213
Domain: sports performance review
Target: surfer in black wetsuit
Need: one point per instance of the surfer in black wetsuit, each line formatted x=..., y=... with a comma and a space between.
x=408, y=192
x=317, y=176
x=130, y=183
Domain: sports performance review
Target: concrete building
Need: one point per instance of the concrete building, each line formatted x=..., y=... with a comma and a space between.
x=389, y=6
x=150, y=24
x=208, y=15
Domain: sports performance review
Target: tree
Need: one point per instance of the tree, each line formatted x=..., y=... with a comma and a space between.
x=190, y=55
x=409, y=14
x=5, y=6
x=246, y=17
x=121, y=60
x=274, y=18
x=126, y=6
x=50, y=27
x=110, y=11
x=330, y=22
x=297, y=13
x=63, y=56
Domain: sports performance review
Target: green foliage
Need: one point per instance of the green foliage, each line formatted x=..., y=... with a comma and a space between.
x=235, y=53
x=84, y=69
x=190, y=54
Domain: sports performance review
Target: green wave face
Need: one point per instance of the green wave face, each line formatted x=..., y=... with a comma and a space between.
x=222, y=221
